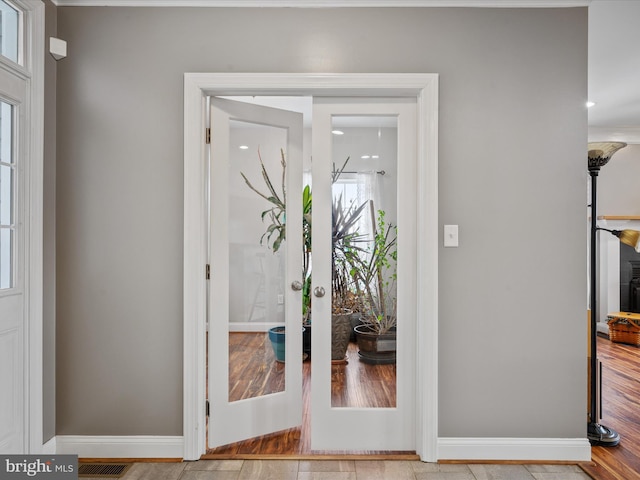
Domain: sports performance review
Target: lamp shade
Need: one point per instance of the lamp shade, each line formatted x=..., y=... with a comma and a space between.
x=601, y=152
x=631, y=238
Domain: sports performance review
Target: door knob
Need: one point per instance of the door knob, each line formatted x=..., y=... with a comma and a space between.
x=296, y=285
x=318, y=291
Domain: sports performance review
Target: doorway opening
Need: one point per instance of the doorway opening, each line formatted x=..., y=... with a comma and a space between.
x=364, y=175
x=423, y=90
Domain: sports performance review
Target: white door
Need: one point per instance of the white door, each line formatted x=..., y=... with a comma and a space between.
x=12, y=294
x=379, y=138
x=256, y=270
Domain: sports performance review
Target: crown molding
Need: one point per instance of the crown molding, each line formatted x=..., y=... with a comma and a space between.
x=326, y=3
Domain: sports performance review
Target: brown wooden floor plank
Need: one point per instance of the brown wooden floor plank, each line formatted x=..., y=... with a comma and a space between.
x=620, y=411
x=355, y=384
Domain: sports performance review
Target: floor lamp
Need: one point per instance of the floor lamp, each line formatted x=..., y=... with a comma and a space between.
x=599, y=155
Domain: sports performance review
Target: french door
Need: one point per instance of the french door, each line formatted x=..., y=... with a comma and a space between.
x=377, y=140
x=256, y=270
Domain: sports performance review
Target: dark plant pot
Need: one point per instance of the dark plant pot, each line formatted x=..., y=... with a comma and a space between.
x=356, y=319
x=376, y=349
x=340, y=334
x=277, y=337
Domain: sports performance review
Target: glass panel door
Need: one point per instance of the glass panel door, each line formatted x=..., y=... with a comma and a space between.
x=255, y=307
x=364, y=226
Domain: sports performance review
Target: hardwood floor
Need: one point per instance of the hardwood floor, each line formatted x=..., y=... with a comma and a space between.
x=253, y=371
x=355, y=384
x=621, y=411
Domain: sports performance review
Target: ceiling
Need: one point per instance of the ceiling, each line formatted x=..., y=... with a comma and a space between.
x=614, y=70
x=614, y=53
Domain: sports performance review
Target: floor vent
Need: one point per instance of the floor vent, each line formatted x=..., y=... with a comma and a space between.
x=103, y=470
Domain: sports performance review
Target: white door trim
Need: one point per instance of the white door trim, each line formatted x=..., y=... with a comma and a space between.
x=424, y=87
x=32, y=74
x=34, y=287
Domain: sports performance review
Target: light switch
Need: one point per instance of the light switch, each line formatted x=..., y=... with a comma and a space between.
x=451, y=235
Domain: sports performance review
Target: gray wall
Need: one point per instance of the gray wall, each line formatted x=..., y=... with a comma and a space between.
x=49, y=232
x=513, y=139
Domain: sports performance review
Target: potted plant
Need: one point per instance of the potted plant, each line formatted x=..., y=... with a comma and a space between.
x=375, y=276
x=344, y=242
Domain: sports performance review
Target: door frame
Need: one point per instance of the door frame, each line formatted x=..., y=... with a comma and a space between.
x=197, y=86
x=31, y=75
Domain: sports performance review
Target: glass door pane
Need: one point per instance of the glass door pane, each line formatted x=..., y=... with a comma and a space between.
x=257, y=221
x=364, y=261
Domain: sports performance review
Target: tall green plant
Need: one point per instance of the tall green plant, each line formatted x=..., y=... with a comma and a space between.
x=278, y=200
x=345, y=236
x=375, y=276
x=306, y=253
x=276, y=231
x=346, y=242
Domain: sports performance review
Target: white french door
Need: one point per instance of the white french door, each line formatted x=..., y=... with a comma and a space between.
x=254, y=276
x=379, y=137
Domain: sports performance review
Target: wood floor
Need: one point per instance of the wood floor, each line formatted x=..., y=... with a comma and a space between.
x=355, y=384
x=621, y=411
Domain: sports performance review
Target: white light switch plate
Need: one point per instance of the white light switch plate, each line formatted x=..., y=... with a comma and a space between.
x=451, y=235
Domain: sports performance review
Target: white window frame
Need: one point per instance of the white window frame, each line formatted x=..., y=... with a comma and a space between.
x=30, y=72
x=8, y=160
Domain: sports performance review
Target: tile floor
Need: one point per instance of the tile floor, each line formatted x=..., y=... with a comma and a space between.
x=346, y=470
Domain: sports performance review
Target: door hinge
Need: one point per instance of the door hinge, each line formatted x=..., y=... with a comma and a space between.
x=208, y=272
x=207, y=136
x=207, y=408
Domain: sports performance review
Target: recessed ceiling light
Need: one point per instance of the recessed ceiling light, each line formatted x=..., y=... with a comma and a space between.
x=365, y=157
x=590, y=104
x=243, y=147
x=375, y=156
x=337, y=132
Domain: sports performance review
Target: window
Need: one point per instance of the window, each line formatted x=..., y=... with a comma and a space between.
x=10, y=32
x=7, y=195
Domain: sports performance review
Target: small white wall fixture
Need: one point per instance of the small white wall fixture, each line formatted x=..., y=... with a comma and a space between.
x=57, y=48
x=197, y=86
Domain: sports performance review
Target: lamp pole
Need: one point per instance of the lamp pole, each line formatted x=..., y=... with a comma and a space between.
x=599, y=155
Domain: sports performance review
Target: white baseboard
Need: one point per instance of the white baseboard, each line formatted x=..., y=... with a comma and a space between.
x=521, y=449
x=525, y=449
x=49, y=448
x=120, y=447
